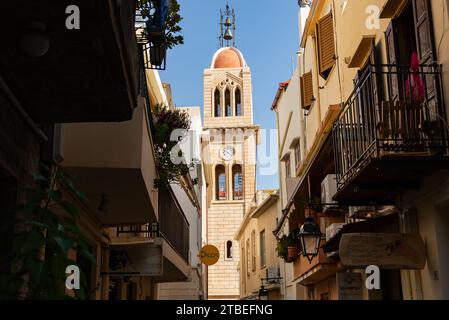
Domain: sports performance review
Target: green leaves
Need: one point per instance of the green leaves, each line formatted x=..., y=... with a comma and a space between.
x=173, y=36
x=41, y=249
x=167, y=122
x=70, y=208
x=64, y=243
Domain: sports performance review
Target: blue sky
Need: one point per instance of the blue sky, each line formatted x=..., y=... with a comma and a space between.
x=267, y=35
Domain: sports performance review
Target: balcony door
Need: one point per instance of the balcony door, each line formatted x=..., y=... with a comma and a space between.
x=412, y=99
x=401, y=43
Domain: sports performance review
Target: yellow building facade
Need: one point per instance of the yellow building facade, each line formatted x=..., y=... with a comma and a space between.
x=259, y=263
x=372, y=118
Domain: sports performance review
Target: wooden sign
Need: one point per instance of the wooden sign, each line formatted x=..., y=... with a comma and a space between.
x=209, y=255
x=349, y=286
x=385, y=250
x=140, y=259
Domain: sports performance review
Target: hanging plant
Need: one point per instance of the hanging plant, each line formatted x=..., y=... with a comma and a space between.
x=288, y=247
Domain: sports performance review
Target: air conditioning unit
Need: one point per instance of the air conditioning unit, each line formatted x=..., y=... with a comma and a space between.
x=333, y=229
x=328, y=191
x=361, y=212
x=272, y=274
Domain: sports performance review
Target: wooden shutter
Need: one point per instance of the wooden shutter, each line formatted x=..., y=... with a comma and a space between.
x=425, y=43
x=326, y=44
x=424, y=31
x=307, y=91
x=392, y=59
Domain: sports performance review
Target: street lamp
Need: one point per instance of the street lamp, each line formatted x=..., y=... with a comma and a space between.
x=310, y=237
x=263, y=293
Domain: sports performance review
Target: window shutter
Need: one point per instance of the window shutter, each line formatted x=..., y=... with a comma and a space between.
x=307, y=91
x=424, y=31
x=425, y=41
x=326, y=44
x=392, y=58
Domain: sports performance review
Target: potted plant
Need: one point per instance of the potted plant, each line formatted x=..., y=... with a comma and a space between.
x=288, y=247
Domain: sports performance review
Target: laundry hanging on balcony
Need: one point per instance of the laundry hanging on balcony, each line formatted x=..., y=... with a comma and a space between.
x=415, y=90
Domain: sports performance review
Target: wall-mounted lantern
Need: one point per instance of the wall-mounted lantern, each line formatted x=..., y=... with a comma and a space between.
x=310, y=237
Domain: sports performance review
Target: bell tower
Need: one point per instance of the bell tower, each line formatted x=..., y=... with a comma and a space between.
x=230, y=141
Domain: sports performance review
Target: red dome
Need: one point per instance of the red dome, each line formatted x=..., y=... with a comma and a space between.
x=228, y=58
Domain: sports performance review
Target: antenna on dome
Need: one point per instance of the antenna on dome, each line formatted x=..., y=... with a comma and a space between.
x=227, y=27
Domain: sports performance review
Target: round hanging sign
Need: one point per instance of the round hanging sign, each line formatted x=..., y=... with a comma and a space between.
x=209, y=255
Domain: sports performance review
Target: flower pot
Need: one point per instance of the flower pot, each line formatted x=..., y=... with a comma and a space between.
x=293, y=252
x=157, y=55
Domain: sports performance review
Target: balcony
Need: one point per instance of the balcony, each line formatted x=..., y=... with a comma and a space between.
x=390, y=135
x=114, y=166
x=309, y=273
x=143, y=250
x=174, y=226
x=63, y=75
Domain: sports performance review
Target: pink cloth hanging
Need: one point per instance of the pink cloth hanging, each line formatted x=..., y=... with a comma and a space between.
x=415, y=84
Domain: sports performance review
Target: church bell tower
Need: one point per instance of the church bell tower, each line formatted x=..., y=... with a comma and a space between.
x=231, y=141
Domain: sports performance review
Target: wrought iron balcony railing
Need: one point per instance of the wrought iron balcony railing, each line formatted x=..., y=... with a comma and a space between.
x=174, y=225
x=149, y=230
x=393, y=112
x=150, y=31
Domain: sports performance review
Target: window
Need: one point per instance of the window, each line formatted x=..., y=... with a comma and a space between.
x=237, y=180
x=307, y=97
x=238, y=103
x=248, y=256
x=298, y=154
x=326, y=45
x=253, y=251
x=220, y=181
x=263, y=254
x=229, y=249
x=217, y=103
x=228, y=103
x=288, y=172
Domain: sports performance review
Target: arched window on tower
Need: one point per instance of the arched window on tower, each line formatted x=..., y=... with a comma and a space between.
x=217, y=103
x=238, y=103
x=229, y=249
x=228, y=107
x=220, y=182
x=237, y=180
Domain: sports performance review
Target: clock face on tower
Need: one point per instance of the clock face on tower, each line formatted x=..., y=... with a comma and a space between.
x=227, y=153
